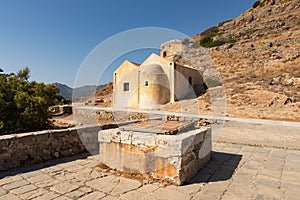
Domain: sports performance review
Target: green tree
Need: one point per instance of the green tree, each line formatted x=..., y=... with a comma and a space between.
x=24, y=104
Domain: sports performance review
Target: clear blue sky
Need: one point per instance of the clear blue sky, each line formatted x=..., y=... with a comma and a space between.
x=54, y=37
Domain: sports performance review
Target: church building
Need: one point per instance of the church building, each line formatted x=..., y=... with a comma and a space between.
x=157, y=81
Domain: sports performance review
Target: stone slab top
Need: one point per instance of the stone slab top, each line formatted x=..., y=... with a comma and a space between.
x=159, y=126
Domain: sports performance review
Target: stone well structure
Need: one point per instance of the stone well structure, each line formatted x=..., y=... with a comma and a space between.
x=145, y=150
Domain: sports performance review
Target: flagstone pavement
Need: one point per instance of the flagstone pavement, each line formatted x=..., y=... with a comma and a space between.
x=234, y=172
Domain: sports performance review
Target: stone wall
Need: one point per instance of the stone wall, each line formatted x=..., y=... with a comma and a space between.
x=28, y=148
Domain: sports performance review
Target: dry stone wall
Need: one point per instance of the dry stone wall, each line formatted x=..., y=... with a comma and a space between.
x=28, y=148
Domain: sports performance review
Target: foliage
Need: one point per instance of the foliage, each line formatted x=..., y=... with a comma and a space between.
x=196, y=45
x=24, y=104
x=208, y=42
x=212, y=82
x=231, y=41
x=208, y=35
x=185, y=41
x=200, y=89
x=60, y=100
x=212, y=31
x=258, y=3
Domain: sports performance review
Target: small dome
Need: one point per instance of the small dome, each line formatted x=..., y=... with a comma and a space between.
x=153, y=69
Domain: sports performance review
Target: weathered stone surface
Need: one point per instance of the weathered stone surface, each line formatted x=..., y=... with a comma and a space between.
x=94, y=195
x=14, y=185
x=105, y=184
x=62, y=198
x=174, y=158
x=34, y=193
x=75, y=194
x=265, y=192
x=110, y=198
x=2, y=192
x=10, y=197
x=125, y=185
x=171, y=194
x=226, y=176
x=10, y=179
x=49, y=195
x=39, y=178
x=32, y=174
x=23, y=189
x=64, y=188
x=136, y=195
x=85, y=190
x=47, y=183
x=36, y=147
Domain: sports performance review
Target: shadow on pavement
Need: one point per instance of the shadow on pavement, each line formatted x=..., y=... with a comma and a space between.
x=220, y=168
x=35, y=167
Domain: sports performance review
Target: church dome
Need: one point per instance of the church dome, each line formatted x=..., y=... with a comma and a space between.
x=152, y=69
x=153, y=86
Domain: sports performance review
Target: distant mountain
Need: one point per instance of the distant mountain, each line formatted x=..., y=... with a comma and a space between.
x=80, y=92
x=64, y=90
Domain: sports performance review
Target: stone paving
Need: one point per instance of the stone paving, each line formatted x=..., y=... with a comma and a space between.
x=235, y=172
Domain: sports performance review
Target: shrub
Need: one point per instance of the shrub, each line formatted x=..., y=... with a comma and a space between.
x=185, y=41
x=258, y=3
x=212, y=31
x=208, y=35
x=212, y=82
x=231, y=41
x=200, y=89
x=208, y=42
x=196, y=45
x=24, y=104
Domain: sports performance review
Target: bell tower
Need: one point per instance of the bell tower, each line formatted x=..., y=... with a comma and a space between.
x=170, y=48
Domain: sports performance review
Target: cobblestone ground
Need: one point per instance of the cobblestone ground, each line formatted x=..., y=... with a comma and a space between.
x=235, y=172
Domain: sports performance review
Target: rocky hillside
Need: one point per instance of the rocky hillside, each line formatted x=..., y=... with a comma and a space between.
x=258, y=56
x=102, y=97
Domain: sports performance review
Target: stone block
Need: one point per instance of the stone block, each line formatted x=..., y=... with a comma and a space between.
x=173, y=158
x=143, y=139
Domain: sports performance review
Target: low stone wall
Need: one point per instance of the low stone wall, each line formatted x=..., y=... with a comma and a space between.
x=28, y=148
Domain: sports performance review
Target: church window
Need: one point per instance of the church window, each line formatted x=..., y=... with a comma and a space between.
x=126, y=86
x=190, y=81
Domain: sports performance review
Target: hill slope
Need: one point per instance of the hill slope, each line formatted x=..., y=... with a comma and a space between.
x=260, y=63
x=64, y=90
